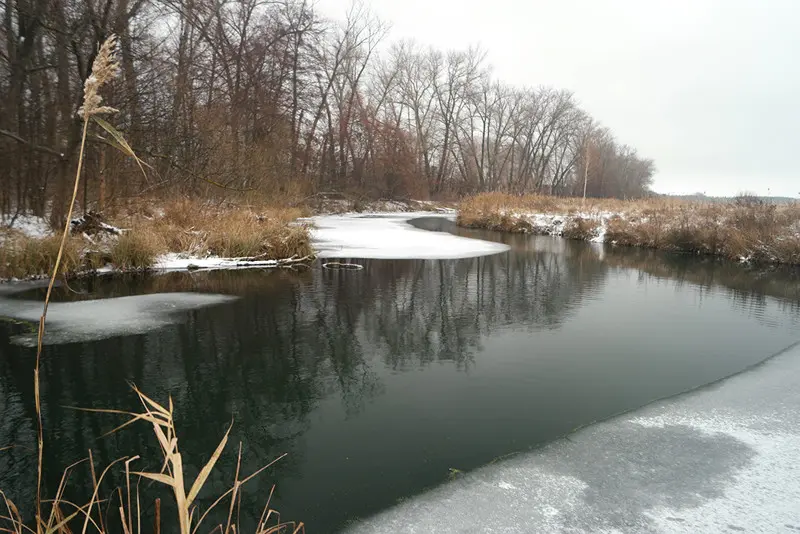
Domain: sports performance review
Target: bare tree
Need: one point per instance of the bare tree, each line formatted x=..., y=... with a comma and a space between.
x=269, y=96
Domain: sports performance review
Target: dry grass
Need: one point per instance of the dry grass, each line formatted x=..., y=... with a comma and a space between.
x=121, y=509
x=486, y=204
x=581, y=228
x=183, y=226
x=136, y=251
x=22, y=256
x=745, y=229
x=200, y=228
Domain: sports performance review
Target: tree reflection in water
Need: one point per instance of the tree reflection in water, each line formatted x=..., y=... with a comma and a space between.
x=302, y=350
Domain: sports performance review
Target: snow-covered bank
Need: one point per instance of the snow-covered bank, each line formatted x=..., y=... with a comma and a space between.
x=591, y=225
x=229, y=239
x=351, y=235
x=724, y=458
x=389, y=236
x=747, y=229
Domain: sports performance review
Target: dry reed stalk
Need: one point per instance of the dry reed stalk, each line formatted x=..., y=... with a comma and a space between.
x=104, y=68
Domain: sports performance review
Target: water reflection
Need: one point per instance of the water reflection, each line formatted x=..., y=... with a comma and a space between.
x=377, y=382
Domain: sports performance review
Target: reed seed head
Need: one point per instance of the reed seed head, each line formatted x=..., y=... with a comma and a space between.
x=104, y=69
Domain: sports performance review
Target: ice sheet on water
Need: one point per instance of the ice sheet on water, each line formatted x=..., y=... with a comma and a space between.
x=721, y=459
x=389, y=236
x=90, y=320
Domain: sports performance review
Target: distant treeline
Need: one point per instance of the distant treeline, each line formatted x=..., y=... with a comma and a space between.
x=271, y=97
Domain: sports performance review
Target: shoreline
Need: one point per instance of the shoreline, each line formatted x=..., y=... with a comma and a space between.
x=746, y=231
x=193, y=235
x=183, y=236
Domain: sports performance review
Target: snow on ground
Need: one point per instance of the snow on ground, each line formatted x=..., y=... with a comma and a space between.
x=555, y=224
x=389, y=236
x=30, y=225
x=725, y=458
x=90, y=320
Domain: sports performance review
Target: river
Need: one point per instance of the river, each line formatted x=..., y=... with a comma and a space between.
x=382, y=382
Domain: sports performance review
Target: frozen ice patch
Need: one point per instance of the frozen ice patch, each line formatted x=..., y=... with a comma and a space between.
x=90, y=320
x=187, y=262
x=721, y=459
x=477, y=504
x=763, y=492
x=389, y=236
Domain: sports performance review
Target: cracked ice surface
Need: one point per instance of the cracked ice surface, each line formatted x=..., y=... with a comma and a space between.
x=389, y=236
x=725, y=458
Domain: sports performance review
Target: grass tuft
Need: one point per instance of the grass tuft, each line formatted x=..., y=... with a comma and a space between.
x=22, y=256
x=581, y=228
x=231, y=232
x=136, y=251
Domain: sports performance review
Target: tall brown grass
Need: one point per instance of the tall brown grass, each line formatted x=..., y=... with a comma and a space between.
x=160, y=418
x=232, y=231
x=181, y=226
x=744, y=229
x=136, y=251
x=22, y=256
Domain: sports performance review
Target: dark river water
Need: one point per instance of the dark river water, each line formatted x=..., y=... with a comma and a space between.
x=383, y=382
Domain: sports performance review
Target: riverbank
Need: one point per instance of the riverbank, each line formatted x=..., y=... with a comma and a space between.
x=745, y=229
x=181, y=235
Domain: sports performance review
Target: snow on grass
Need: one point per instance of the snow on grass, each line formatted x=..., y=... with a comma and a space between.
x=557, y=224
x=389, y=236
x=96, y=224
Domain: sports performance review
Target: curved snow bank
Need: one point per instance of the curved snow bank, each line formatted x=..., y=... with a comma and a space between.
x=89, y=320
x=722, y=459
x=389, y=236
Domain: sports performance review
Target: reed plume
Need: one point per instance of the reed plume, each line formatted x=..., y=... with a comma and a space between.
x=104, y=69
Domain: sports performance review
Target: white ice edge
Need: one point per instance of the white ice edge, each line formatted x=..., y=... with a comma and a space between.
x=724, y=458
x=91, y=320
x=182, y=262
x=389, y=236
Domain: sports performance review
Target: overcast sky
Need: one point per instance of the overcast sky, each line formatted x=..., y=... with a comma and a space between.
x=710, y=89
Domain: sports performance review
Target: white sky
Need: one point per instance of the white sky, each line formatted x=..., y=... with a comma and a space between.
x=710, y=89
